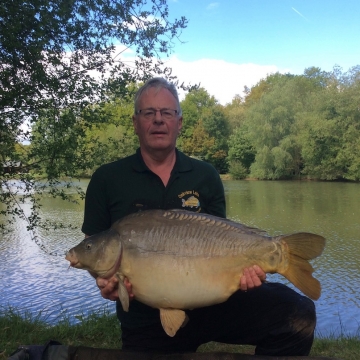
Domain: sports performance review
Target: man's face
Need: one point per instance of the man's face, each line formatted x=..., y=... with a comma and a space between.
x=157, y=133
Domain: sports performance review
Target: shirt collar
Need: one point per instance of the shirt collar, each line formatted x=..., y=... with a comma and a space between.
x=182, y=164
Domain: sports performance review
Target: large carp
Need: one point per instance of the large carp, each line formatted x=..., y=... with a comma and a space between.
x=178, y=259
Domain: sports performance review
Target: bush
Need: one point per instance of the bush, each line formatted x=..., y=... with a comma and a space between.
x=237, y=170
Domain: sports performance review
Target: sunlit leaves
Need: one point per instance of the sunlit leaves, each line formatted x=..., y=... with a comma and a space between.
x=60, y=62
x=305, y=125
x=205, y=129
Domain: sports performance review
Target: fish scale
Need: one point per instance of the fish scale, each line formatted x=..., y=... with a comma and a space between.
x=188, y=242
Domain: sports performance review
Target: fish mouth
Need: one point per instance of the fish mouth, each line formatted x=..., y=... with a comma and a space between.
x=73, y=263
x=72, y=259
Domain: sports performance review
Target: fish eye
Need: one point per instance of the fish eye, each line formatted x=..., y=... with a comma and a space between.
x=88, y=246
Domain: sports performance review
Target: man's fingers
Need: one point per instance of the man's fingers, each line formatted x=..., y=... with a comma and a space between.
x=128, y=288
x=243, y=282
x=101, y=283
x=252, y=277
x=108, y=288
x=114, y=295
x=260, y=273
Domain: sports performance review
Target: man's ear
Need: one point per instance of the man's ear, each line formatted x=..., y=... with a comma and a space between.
x=134, y=123
x=180, y=124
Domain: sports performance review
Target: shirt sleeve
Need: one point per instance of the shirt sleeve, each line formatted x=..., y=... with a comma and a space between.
x=215, y=204
x=96, y=213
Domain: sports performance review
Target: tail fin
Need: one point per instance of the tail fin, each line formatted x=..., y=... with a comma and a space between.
x=301, y=248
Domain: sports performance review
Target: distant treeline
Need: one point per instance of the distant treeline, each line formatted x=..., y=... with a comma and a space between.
x=286, y=126
x=290, y=126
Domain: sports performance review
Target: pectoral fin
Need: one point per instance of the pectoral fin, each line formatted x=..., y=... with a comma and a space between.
x=123, y=296
x=171, y=320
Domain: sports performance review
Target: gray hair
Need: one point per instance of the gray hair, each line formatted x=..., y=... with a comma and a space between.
x=158, y=83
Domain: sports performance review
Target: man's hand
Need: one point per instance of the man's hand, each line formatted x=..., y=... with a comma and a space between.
x=109, y=288
x=252, y=277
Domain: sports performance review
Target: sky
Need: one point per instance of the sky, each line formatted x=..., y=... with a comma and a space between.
x=232, y=43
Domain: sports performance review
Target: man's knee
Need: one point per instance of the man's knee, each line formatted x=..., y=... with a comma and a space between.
x=294, y=333
x=304, y=317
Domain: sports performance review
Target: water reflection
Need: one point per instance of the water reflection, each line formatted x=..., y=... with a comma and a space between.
x=34, y=280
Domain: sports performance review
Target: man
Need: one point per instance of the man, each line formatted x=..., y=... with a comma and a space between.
x=271, y=316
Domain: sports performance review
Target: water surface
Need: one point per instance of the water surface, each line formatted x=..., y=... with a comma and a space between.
x=34, y=280
x=328, y=209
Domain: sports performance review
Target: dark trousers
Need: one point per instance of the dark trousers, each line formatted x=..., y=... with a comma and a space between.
x=274, y=318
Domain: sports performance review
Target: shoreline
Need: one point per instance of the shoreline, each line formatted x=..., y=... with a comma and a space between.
x=102, y=330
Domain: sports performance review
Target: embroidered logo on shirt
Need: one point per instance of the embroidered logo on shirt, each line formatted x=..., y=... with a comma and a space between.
x=190, y=199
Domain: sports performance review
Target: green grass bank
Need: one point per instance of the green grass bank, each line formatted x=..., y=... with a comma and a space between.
x=102, y=330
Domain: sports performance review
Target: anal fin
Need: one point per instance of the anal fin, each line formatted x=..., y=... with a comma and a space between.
x=172, y=320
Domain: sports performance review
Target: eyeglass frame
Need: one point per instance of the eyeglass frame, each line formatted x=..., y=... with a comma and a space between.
x=154, y=111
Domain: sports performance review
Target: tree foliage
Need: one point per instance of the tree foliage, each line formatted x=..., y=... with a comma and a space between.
x=304, y=125
x=61, y=62
x=114, y=139
x=330, y=133
x=241, y=152
x=206, y=129
x=235, y=112
x=199, y=145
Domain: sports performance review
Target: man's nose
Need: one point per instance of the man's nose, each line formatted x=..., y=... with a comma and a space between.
x=158, y=117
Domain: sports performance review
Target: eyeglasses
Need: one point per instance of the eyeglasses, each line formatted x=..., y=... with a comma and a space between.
x=166, y=114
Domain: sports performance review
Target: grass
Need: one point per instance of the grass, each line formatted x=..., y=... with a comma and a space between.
x=102, y=330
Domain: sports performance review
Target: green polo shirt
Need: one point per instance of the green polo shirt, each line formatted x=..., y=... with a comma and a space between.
x=127, y=186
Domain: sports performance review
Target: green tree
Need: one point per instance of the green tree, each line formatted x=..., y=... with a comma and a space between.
x=193, y=107
x=216, y=124
x=241, y=152
x=235, y=112
x=199, y=145
x=330, y=132
x=304, y=125
x=254, y=94
x=273, y=126
x=202, y=113
x=114, y=139
x=56, y=61
x=317, y=76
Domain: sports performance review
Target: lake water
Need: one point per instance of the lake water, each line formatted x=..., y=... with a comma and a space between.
x=33, y=280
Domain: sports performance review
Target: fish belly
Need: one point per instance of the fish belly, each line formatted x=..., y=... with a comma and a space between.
x=182, y=282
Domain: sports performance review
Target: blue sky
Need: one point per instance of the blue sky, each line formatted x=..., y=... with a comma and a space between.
x=232, y=43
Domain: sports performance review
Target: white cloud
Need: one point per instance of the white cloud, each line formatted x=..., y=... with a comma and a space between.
x=212, y=6
x=299, y=13
x=221, y=79
x=141, y=22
